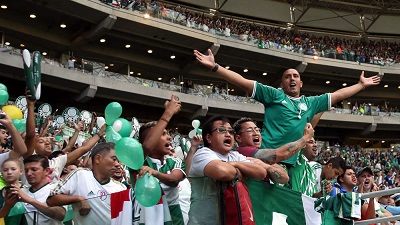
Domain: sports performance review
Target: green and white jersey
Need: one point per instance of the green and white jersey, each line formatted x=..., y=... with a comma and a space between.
x=303, y=177
x=285, y=117
x=317, y=167
x=170, y=164
x=39, y=195
x=81, y=182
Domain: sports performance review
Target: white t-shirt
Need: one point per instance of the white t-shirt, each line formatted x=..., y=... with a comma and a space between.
x=57, y=165
x=81, y=182
x=41, y=196
x=205, y=155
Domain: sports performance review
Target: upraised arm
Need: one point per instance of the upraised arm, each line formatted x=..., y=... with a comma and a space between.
x=19, y=144
x=79, y=152
x=172, y=107
x=230, y=76
x=347, y=92
x=30, y=124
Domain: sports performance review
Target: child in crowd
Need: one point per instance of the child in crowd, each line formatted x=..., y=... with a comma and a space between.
x=11, y=171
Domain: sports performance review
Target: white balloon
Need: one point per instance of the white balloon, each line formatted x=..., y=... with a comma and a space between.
x=117, y=125
x=79, y=141
x=192, y=133
x=100, y=121
x=196, y=124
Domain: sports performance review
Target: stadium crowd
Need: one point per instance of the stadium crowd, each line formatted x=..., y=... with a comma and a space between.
x=379, y=52
x=49, y=180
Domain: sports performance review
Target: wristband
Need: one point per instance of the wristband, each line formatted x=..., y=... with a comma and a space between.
x=215, y=67
x=163, y=119
x=98, y=135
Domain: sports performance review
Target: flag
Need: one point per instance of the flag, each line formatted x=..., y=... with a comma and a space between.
x=156, y=215
x=341, y=209
x=125, y=209
x=121, y=207
x=277, y=205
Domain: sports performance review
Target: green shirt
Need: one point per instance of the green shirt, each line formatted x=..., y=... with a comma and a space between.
x=285, y=117
x=303, y=177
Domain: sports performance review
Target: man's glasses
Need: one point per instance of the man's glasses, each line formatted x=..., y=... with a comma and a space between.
x=251, y=130
x=224, y=130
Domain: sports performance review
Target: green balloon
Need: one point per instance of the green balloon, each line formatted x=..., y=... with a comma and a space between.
x=130, y=152
x=147, y=190
x=3, y=87
x=17, y=124
x=112, y=135
x=126, y=128
x=113, y=112
x=3, y=97
x=18, y=209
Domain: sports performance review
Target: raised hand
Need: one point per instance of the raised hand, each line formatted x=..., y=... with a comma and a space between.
x=308, y=132
x=370, y=81
x=207, y=60
x=173, y=106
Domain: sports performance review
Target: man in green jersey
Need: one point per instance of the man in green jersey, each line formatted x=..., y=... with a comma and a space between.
x=286, y=111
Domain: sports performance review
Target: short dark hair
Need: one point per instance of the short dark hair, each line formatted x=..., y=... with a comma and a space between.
x=208, y=127
x=55, y=154
x=338, y=163
x=238, y=124
x=101, y=148
x=2, y=127
x=342, y=175
x=144, y=130
x=44, y=162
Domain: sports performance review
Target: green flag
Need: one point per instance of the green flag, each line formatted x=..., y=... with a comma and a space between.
x=276, y=205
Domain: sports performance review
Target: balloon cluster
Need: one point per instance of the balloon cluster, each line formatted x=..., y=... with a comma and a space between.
x=128, y=150
x=12, y=111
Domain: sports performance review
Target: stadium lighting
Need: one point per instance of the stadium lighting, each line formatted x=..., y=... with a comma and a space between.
x=106, y=67
x=265, y=74
x=344, y=84
x=131, y=72
x=102, y=40
x=367, y=141
x=383, y=142
x=149, y=51
x=112, y=64
x=227, y=67
x=3, y=6
x=160, y=78
x=139, y=74
x=232, y=89
x=33, y=16
x=182, y=82
x=22, y=45
x=8, y=43
x=245, y=70
x=127, y=46
x=172, y=56
x=385, y=86
x=44, y=53
x=328, y=82
x=63, y=25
